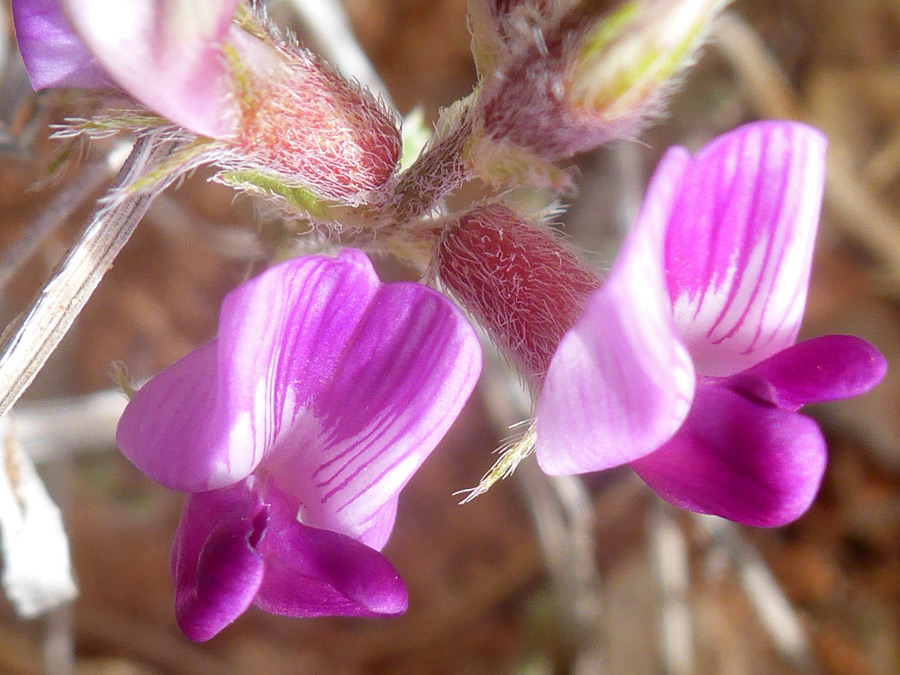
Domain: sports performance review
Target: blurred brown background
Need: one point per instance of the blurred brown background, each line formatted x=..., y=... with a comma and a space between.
x=489, y=591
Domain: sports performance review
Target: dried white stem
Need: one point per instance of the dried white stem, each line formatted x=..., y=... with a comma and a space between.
x=761, y=587
x=55, y=428
x=670, y=556
x=563, y=514
x=59, y=303
x=330, y=29
x=58, y=211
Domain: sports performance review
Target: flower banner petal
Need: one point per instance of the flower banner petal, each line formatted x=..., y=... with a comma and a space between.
x=401, y=382
x=621, y=381
x=315, y=572
x=207, y=421
x=216, y=565
x=740, y=243
x=167, y=55
x=744, y=461
x=53, y=53
x=826, y=368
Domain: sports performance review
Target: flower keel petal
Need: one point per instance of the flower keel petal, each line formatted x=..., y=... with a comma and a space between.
x=751, y=463
x=826, y=368
x=216, y=564
x=315, y=572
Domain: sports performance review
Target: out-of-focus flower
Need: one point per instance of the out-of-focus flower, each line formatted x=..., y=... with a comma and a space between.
x=294, y=431
x=272, y=106
x=683, y=363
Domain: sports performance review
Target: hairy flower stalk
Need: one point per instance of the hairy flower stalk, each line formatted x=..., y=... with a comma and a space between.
x=293, y=433
x=573, y=76
x=683, y=364
x=279, y=121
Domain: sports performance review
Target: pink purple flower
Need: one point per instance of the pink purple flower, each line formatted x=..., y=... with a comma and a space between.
x=293, y=433
x=270, y=105
x=167, y=55
x=684, y=363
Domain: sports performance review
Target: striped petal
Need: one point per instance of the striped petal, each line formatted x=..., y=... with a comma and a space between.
x=742, y=460
x=207, y=421
x=621, y=381
x=53, y=54
x=216, y=563
x=167, y=55
x=340, y=384
x=403, y=379
x=740, y=243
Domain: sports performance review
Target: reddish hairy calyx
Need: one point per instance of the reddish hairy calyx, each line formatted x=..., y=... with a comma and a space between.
x=518, y=279
x=313, y=127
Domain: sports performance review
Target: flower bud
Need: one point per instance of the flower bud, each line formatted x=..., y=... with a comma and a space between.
x=624, y=64
x=586, y=80
x=518, y=279
x=302, y=121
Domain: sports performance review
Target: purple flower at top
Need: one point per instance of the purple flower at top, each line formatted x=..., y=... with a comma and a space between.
x=293, y=433
x=167, y=55
x=259, y=102
x=684, y=363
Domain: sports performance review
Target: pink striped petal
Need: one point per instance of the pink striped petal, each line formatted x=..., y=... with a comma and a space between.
x=313, y=572
x=402, y=380
x=341, y=384
x=53, y=53
x=167, y=55
x=216, y=564
x=207, y=421
x=826, y=368
x=744, y=461
x=621, y=382
x=740, y=243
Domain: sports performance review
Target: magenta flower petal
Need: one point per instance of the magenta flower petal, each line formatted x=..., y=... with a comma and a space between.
x=748, y=462
x=740, y=243
x=402, y=380
x=826, y=368
x=167, y=55
x=53, y=53
x=169, y=429
x=621, y=381
x=216, y=564
x=206, y=422
x=316, y=572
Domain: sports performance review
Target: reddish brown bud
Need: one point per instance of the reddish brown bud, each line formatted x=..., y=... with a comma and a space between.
x=518, y=279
